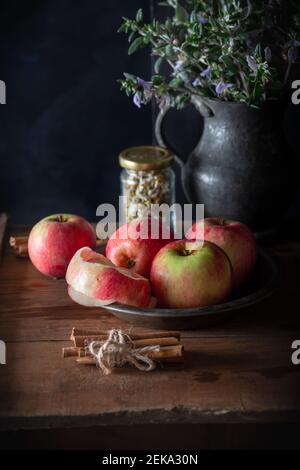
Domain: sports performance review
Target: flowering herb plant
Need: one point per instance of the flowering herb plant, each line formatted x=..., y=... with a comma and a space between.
x=232, y=50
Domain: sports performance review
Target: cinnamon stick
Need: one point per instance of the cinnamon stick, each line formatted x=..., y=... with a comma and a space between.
x=82, y=341
x=167, y=341
x=20, y=246
x=81, y=332
x=79, y=335
x=139, y=343
x=172, y=354
x=22, y=250
x=15, y=241
x=169, y=354
x=70, y=352
x=86, y=361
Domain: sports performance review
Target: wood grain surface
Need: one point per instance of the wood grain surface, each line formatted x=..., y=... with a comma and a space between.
x=238, y=372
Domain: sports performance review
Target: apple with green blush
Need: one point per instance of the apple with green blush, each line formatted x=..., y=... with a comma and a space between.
x=187, y=274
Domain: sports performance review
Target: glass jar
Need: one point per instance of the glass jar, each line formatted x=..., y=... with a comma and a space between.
x=146, y=179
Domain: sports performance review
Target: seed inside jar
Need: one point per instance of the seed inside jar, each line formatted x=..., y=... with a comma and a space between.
x=144, y=188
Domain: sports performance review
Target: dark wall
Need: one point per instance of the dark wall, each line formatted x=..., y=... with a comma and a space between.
x=65, y=120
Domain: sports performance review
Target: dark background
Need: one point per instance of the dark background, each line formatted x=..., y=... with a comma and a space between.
x=65, y=120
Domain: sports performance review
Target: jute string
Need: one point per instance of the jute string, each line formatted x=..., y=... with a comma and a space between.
x=118, y=350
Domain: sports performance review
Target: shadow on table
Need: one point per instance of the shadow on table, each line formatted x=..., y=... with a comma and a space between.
x=159, y=437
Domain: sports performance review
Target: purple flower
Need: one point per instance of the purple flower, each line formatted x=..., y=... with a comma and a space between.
x=293, y=42
x=144, y=94
x=202, y=19
x=137, y=99
x=222, y=87
x=206, y=73
x=178, y=66
x=196, y=82
x=268, y=54
x=143, y=84
x=292, y=54
x=252, y=63
x=292, y=47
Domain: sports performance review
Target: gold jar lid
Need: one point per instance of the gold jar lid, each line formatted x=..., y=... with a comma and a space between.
x=145, y=158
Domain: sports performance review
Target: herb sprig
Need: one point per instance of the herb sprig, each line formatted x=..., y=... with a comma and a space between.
x=237, y=50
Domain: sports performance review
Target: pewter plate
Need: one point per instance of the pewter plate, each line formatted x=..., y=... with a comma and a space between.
x=262, y=283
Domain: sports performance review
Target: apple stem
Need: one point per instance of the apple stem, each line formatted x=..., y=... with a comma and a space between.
x=130, y=263
x=188, y=252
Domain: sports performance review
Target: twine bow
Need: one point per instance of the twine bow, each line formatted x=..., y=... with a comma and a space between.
x=118, y=350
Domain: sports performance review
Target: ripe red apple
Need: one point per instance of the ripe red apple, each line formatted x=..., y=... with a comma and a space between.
x=54, y=240
x=235, y=239
x=128, y=247
x=94, y=281
x=190, y=274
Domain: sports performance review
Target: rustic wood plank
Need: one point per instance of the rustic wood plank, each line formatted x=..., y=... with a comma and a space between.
x=236, y=380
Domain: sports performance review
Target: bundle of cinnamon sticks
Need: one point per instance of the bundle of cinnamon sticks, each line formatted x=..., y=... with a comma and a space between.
x=19, y=245
x=170, y=350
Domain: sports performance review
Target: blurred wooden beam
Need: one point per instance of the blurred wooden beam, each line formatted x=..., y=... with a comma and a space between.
x=3, y=224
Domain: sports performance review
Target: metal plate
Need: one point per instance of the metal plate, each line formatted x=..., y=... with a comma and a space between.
x=263, y=282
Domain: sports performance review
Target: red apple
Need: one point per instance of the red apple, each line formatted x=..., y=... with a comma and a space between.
x=94, y=281
x=54, y=240
x=133, y=245
x=191, y=274
x=235, y=239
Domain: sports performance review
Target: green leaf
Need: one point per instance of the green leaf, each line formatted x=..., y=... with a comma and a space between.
x=157, y=64
x=169, y=50
x=257, y=52
x=228, y=61
x=157, y=80
x=139, y=16
x=137, y=44
x=169, y=3
x=193, y=16
x=175, y=83
x=169, y=24
x=130, y=77
x=131, y=36
x=182, y=100
x=122, y=28
x=181, y=15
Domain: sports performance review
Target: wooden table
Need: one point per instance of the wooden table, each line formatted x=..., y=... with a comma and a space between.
x=237, y=387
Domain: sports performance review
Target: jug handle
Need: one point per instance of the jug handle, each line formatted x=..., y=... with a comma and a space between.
x=203, y=109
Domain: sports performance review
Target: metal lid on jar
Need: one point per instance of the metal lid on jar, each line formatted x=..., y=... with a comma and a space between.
x=145, y=158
